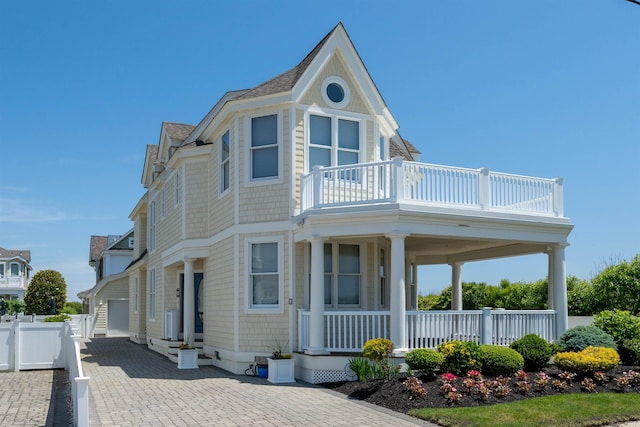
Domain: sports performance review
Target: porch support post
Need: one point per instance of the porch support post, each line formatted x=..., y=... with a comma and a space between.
x=550, y=287
x=397, y=301
x=456, y=286
x=316, y=298
x=560, y=289
x=188, y=315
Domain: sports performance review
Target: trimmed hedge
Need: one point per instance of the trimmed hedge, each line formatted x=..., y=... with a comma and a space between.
x=460, y=357
x=535, y=351
x=588, y=361
x=581, y=337
x=425, y=360
x=498, y=360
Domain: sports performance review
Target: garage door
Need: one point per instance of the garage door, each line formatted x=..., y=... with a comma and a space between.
x=117, y=318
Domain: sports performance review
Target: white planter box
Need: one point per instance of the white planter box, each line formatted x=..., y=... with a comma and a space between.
x=281, y=371
x=188, y=358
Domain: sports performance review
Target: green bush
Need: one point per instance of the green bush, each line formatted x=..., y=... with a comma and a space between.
x=581, y=337
x=377, y=349
x=424, y=359
x=535, y=351
x=588, y=361
x=57, y=318
x=630, y=351
x=460, y=357
x=498, y=360
x=621, y=325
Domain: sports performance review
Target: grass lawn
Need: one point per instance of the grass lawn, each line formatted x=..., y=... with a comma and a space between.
x=559, y=410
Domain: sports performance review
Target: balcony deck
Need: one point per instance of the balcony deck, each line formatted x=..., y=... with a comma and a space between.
x=398, y=181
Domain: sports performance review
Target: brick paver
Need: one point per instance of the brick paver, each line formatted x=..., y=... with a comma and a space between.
x=131, y=385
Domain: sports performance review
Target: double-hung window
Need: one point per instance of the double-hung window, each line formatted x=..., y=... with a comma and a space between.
x=1, y=269
x=264, y=147
x=14, y=268
x=342, y=275
x=264, y=275
x=333, y=141
x=152, y=226
x=152, y=295
x=225, y=150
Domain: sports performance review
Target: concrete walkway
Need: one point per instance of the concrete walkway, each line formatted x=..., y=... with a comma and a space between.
x=131, y=385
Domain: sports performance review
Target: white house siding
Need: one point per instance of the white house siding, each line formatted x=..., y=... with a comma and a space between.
x=219, y=296
x=299, y=153
x=196, y=198
x=259, y=331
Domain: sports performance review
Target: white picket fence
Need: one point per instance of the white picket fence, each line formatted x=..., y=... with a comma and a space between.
x=26, y=343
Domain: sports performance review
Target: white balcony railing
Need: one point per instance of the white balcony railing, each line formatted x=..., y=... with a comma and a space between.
x=12, y=282
x=397, y=181
x=347, y=331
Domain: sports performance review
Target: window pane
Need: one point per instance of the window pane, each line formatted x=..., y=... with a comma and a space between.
x=328, y=286
x=225, y=146
x=264, y=130
x=225, y=176
x=328, y=258
x=347, y=158
x=1, y=269
x=264, y=258
x=265, y=289
x=265, y=162
x=349, y=261
x=335, y=92
x=381, y=148
x=320, y=130
x=349, y=134
x=348, y=289
x=15, y=269
x=319, y=157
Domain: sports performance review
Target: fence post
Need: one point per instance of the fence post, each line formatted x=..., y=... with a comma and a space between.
x=558, y=208
x=317, y=186
x=82, y=400
x=399, y=179
x=486, y=327
x=16, y=345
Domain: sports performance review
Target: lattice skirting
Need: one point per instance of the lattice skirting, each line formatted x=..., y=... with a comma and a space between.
x=327, y=376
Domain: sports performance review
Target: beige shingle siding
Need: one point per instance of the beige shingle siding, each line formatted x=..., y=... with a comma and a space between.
x=221, y=207
x=118, y=289
x=335, y=67
x=299, y=153
x=197, y=195
x=218, y=295
x=137, y=319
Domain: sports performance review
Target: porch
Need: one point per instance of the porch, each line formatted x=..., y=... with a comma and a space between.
x=347, y=331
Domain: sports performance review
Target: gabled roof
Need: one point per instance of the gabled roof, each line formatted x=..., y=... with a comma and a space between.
x=150, y=159
x=178, y=131
x=400, y=147
x=96, y=246
x=8, y=254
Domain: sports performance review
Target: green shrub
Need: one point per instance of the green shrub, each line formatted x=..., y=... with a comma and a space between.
x=57, y=318
x=581, y=337
x=535, y=351
x=630, y=351
x=588, y=361
x=460, y=357
x=377, y=349
x=621, y=325
x=424, y=359
x=363, y=368
x=497, y=360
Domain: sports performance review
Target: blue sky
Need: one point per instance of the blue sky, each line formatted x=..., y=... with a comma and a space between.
x=544, y=88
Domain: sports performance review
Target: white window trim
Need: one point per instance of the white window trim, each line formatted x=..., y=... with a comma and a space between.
x=4, y=269
x=152, y=286
x=274, y=309
x=223, y=192
x=176, y=189
x=136, y=294
x=19, y=269
x=345, y=88
x=162, y=204
x=249, y=181
x=335, y=116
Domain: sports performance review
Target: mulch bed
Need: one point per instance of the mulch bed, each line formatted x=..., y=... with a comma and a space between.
x=394, y=395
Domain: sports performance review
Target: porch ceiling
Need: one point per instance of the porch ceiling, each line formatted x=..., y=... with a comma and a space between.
x=436, y=250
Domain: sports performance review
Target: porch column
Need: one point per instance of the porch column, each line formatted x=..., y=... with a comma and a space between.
x=456, y=286
x=316, y=298
x=560, y=289
x=188, y=315
x=550, y=287
x=397, y=302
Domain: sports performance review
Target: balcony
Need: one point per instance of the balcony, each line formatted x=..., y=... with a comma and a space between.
x=398, y=181
x=11, y=282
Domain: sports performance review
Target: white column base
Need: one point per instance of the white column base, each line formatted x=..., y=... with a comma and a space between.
x=316, y=352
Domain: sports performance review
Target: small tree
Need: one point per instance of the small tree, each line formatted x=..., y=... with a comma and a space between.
x=46, y=284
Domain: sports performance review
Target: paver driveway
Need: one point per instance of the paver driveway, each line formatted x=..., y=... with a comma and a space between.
x=131, y=385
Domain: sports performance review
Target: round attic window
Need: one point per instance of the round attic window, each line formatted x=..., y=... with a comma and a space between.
x=335, y=92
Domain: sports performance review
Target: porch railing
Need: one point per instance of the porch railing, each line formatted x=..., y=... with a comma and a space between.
x=397, y=181
x=347, y=331
x=11, y=282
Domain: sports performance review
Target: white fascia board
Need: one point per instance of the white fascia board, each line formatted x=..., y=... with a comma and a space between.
x=105, y=281
x=139, y=207
x=197, y=132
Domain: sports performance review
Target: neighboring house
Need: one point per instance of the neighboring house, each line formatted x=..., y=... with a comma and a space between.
x=15, y=271
x=295, y=212
x=108, y=300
